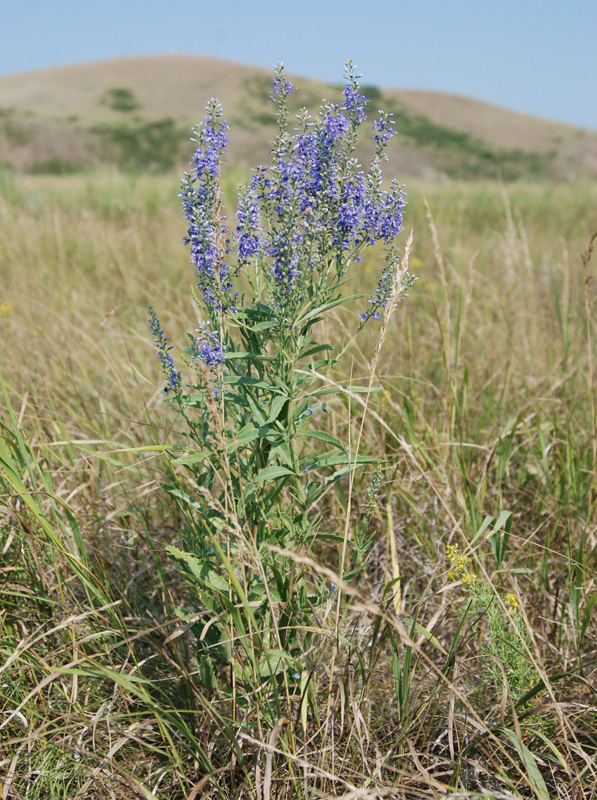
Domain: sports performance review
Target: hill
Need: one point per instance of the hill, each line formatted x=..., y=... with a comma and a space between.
x=137, y=112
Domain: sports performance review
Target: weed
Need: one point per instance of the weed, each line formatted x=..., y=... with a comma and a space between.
x=507, y=655
x=260, y=464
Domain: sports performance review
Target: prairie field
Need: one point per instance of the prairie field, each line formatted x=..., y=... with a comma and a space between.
x=458, y=656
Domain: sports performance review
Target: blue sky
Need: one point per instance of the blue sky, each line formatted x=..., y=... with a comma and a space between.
x=537, y=56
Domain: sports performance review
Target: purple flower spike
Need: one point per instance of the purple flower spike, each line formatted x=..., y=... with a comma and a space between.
x=161, y=343
x=355, y=102
x=201, y=201
x=282, y=88
x=383, y=129
x=207, y=346
x=248, y=229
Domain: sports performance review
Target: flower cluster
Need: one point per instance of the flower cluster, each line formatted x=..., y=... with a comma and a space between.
x=460, y=566
x=200, y=193
x=383, y=131
x=372, y=493
x=317, y=199
x=207, y=347
x=300, y=222
x=247, y=230
x=507, y=643
x=373, y=489
x=385, y=289
x=163, y=348
x=6, y=308
x=317, y=202
x=282, y=87
x=511, y=603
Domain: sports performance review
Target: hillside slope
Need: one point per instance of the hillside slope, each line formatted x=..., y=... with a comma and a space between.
x=137, y=112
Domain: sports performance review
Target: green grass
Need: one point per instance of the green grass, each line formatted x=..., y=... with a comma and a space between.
x=487, y=407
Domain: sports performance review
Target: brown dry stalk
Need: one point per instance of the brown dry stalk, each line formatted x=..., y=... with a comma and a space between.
x=391, y=306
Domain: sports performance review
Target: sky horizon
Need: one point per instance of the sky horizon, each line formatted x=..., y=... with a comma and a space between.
x=527, y=56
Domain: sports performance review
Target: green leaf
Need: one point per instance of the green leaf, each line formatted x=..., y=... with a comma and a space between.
x=272, y=473
x=427, y=634
x=257, y=410
x=528, y=759
x=317, y=491
x=332, y=537
x=328, y=306
x=323, y=436
x=191, y=458
x=304, y=411
x=359, y=568
x=548, y=743
x=282, y=451
x=207, y=673
x=180, y=495
x=156, y=447
x=276, y=407
x=200, y=570
x=304, y=698
x=248, y=434
x=273, y=662
x=313, y=350
x=194, y=400
x=484, y=525
x=237, y=400
x=332, y=460
x=262, y=326
x=247, y=356
x=243, y=380
x=504, y=521
x=343, y=389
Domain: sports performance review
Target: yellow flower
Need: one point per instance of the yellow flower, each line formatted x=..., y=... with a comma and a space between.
x=5, y=308
x=460, y=565
x=512, y=602
x=452, y=552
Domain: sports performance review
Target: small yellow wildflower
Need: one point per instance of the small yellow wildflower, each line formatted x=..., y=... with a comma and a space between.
x=460, y=566
x=512, y=602
x=5, y=308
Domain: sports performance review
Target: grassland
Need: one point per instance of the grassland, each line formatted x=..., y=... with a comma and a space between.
x=487, y=410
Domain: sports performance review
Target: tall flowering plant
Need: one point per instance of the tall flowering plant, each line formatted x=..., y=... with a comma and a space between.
x=260, y=457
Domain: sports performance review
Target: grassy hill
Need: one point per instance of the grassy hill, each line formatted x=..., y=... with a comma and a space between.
x=137, y=113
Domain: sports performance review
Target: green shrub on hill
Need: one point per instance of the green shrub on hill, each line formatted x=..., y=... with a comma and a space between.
x=55, y=166
x=151, y=145
x=120, y=99
x=461, y=155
